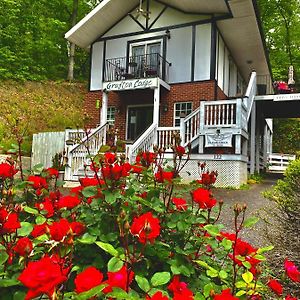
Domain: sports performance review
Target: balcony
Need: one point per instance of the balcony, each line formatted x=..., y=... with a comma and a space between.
x=137, y=67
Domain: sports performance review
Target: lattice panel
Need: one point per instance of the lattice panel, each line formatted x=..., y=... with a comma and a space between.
x=231, y=173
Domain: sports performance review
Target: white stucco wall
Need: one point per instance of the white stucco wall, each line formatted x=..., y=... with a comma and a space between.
x=179, y=53
x=202, y=52
x=96, y=66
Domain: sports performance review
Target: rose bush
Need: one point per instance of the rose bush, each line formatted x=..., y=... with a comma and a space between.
x=127, y=233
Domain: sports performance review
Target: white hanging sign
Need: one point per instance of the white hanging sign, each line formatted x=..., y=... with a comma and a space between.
x=218, y=140
x=135, y=84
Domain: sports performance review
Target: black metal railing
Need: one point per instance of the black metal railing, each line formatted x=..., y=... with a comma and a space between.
x=134, y=67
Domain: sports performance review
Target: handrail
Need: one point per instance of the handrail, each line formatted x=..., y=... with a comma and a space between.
x=250, y=93
x=191, y=127
x=165, y=136
x=145, y=142
x=77, y=154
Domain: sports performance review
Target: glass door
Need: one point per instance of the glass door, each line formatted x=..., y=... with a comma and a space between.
x=139, y=119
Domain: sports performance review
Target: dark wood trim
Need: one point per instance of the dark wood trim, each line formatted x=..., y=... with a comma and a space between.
x=164, y=55
x=90, y=71
x=155, y=30
x=224, y=64
x=137, y=21
x=213, y=51
x=146, y=39
x=193, y=52
x=104, y=59
x=147, y=19
x=157, y=18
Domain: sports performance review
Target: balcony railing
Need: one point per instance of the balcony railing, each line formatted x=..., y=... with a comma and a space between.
x=135, y=67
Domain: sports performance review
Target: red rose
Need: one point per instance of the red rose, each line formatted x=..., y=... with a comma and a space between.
x=275, y=286
x=180, y=151
x=3, y=215
x=39, y=230
x=109, y=158
x=47, y=206
x=7, y=170
x=42, y=277
x=162, y=176
x=180, y=203
x=291, y=271
x=157, y=296
x=180, y=289
x=59, y=230
x=23, y=246
x=68, y=202
x=289, y=297
x=137, y=168
x=145, y=227
x=10, y=224
x=116, y=172
x=77, y=228
x=52, y=172
x=37, y=182
x=225, y=295
x=88, y=181
x=88, y=279
x=145, y=158
x=120, y=279
x=203, y=198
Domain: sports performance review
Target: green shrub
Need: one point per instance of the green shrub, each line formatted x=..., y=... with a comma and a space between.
x=286, y=193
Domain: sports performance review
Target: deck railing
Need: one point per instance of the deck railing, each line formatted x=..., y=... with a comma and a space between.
x=166, y=136
x=144, y=143
x=277, y=163
x=250, y=94
x=134, y=67
x=77, y=155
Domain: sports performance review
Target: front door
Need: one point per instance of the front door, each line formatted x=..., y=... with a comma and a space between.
x=139, y=119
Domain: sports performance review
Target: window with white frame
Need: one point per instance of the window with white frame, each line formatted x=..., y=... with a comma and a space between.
x=181, y=108
x=111, y=112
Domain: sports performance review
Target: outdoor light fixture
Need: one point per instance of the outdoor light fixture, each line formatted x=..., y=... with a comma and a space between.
x=165, y=108
x=168, y=34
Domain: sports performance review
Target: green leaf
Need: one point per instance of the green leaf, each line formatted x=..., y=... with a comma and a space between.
x=108, y=248
x=212, y=229
x=199, y=296
x=114, y=264
x=30, y=210
x=18, y=295
x=207, y=289
x=227, y=244
x=40, y=220
x=241, y=284
x=25, y=229
x=91, y=293
x=143, y=283
x=118, y=294
x=212, y=273
x=3, y=257
x=90, y=191
x=223, y=274
x=9, y=282
x=160, y=278
x=240, y=293
x=260, y=257
x=110, y=197
x=38, y=168
x=264, y=249
x=246, y=264
x=248, y=277
x=87, y=239
x=250, y=222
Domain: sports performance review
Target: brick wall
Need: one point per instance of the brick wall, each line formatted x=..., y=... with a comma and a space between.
x=193, y=92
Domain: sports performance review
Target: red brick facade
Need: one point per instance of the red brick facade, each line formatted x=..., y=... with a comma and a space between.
x=194, y=92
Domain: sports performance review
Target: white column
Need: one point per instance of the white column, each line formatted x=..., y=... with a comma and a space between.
x=156, y=105
x=103, y=112
x=257, y=150
x=252, y=138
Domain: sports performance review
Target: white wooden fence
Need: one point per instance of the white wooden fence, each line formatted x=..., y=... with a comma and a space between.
x=277, y=163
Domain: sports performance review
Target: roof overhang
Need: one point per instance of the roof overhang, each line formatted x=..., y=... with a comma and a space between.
x=109, y=12
x=242, y=32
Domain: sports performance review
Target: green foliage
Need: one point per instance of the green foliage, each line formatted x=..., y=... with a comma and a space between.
x=37, y=107
x=286, y=192
x=286, y=138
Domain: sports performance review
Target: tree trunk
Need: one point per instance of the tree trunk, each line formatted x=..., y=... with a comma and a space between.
x=72, y=45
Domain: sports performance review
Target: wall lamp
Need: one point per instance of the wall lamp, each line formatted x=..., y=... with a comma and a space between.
x=168, y=34
x=165, y=108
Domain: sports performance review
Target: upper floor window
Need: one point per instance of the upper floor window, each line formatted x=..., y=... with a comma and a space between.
x=181, y=108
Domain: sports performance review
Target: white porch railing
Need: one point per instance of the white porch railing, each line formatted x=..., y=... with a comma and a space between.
x=77, y=154
x=277, y=163
x=166, y=136
x=144, y=143
x=250, y=94
x=223, y=114
x=191, y=127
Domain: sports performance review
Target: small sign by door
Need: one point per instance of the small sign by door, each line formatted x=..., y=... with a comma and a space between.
x=218, y=140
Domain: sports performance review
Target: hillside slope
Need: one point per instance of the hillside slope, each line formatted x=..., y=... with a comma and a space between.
x=38, y=107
